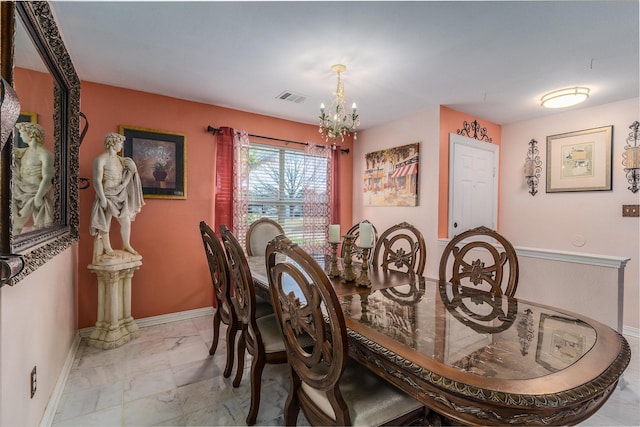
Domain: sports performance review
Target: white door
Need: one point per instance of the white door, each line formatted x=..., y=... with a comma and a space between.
x=473, y=184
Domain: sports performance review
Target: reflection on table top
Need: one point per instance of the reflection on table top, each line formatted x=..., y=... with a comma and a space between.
x=379, y=278
x=476, y=357
x=535, y=342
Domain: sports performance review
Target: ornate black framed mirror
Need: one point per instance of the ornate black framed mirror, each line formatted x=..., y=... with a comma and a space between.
x=39, y=166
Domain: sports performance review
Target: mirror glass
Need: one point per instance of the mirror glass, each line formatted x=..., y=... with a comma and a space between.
x=39, y=169
x=33, y=170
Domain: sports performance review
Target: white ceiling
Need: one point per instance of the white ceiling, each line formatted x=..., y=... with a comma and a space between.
x=493, y=60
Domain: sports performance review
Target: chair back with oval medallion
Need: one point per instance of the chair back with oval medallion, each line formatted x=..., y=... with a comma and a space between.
x=401, y=247
x=329, y=387
x=473, y=259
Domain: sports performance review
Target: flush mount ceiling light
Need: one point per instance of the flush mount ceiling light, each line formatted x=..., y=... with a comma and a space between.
x=565, y=97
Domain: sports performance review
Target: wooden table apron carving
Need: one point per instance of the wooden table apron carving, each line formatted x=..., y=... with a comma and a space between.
x=474, y=357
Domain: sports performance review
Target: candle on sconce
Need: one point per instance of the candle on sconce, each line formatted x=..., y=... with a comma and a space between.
x=366, y=235
x=334, y=233
x=633, y=157
x=528, y=168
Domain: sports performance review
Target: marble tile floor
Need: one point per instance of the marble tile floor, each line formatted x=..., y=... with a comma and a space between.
x=167, y=378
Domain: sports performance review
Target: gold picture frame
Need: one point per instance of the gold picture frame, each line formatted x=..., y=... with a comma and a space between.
x=28, y=116
x=580, y=161
x=161, y=159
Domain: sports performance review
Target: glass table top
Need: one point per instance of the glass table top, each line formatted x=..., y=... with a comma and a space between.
x=468, y=329
x=474, y=331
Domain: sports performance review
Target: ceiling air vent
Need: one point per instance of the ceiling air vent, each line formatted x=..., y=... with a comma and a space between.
x=287, y=95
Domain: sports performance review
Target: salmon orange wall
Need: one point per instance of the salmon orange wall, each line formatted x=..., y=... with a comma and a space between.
x=35, y=90
x=174, y=276
x=450, y=122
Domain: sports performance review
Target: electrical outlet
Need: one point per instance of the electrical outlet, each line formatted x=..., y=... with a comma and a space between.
x=34, y=382
x=631, y=210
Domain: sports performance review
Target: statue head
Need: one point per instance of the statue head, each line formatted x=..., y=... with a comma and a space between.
x=31, y=131
x=112, y=139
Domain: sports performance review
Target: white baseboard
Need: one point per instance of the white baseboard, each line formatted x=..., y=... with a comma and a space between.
x=632, y=332
x=161, y=319
x=56, y=395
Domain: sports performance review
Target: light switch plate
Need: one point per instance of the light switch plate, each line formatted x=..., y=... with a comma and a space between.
x=631, y=210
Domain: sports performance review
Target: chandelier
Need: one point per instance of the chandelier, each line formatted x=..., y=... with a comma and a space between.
x=337, y=121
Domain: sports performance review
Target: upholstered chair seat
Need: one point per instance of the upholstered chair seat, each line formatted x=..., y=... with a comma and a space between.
x=271, y=337
x=263, y=307
x=371, y=400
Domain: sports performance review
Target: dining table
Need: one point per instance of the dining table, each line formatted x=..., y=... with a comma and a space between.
x=474, y=357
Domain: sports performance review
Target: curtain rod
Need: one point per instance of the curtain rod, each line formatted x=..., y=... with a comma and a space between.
x=286, y=141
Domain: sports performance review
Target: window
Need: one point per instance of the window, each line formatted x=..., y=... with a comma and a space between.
x=282, y=180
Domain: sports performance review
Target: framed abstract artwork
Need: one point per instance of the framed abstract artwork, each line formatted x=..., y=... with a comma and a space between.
x=580, y=161
x=161, y=159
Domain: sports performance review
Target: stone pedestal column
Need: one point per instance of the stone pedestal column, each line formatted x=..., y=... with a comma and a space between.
x=114, y=326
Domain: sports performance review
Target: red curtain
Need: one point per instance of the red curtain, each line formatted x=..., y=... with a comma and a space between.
x=335, y=184
x=224, y=179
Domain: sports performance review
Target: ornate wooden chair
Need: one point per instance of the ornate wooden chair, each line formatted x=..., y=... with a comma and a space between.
x=259, y=336
x=356, y=252
x=225, y=310
x=471, y=259
x=401, y=247
x=260, y=232
x=329, y=387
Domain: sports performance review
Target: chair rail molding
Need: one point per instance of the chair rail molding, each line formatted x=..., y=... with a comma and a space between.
x=566, y=256
x=554, y=285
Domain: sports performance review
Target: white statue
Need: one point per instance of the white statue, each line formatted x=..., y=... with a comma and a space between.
x=32, y=180
x=118, y=194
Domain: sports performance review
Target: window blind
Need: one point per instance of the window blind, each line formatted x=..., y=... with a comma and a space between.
x=278, y=180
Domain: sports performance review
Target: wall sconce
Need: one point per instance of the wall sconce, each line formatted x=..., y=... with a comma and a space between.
x=631, y=157
x=533, y=167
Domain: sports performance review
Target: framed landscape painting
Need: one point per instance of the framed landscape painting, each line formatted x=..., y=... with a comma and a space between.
x=391, y=176
x=160, y=157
